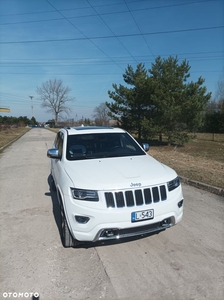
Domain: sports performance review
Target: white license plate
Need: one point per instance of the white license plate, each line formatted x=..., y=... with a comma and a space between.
x=142, y=215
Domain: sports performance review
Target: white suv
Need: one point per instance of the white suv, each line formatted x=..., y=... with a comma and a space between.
x=109, y=187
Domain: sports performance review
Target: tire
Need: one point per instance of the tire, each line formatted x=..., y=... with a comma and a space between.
x=67, y=239
x=53, y=186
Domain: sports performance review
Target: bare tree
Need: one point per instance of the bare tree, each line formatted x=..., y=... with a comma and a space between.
x=54, y=97
x=101, y=114
x=220, y=88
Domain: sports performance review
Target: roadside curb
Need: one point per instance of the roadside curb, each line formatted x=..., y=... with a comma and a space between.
x=203, y=186
x=3, y=147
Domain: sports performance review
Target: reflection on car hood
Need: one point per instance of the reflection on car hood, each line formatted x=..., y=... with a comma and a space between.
x=118, y=173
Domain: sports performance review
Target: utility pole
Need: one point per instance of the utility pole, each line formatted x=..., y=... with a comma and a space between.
x=31, y=97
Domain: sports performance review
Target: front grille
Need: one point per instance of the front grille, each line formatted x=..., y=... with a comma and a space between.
x=136, y=197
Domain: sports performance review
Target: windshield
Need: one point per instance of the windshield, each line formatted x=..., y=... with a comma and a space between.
x=101, y=145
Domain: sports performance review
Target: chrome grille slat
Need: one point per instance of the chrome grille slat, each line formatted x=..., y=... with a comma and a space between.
x=155, y=193
x=119, y=199
x=147, y=195
x=109, y=200
x=129, y=198
x=137, y=197
x=162, y=192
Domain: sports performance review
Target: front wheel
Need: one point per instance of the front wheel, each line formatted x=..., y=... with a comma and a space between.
x=67, y=238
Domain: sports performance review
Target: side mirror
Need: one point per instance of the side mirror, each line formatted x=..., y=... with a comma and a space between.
x=53, y=153
x=145, y=146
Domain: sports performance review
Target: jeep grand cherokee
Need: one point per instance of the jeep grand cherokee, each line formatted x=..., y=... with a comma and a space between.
x=108, y=186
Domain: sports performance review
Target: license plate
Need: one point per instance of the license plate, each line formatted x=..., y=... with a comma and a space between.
x=142, y=215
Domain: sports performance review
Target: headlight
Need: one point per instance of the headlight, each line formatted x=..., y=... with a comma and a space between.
x=173, y=184
x=86, y=195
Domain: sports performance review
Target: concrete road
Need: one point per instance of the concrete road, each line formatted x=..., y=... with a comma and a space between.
x=183, y=262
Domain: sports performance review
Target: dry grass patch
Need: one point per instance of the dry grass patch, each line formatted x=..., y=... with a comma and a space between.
x=200, y=160
x=54, y=129
x=10, y=134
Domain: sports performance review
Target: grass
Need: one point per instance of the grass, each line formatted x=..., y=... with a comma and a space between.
x=202, y=159
x=10, y=134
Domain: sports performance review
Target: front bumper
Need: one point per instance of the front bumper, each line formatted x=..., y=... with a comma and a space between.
x=115, y=223
x=116, y=233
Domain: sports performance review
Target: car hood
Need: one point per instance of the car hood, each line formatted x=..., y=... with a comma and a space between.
x=118, y=173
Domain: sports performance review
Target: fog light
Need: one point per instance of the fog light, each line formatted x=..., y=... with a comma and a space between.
x=166, y=222
x=180, y=204
x=108, y=233
x=81, y=219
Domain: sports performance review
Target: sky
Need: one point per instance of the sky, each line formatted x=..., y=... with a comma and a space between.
x=88, y=44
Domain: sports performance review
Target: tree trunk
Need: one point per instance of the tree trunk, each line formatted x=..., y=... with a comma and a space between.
x=160, y=137
x=56, y=119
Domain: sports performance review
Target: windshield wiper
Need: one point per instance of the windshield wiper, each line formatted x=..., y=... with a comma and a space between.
x=83, y=157
x=117, y=154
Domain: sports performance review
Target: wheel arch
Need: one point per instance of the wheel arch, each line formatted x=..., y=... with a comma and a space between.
x=63, y=206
